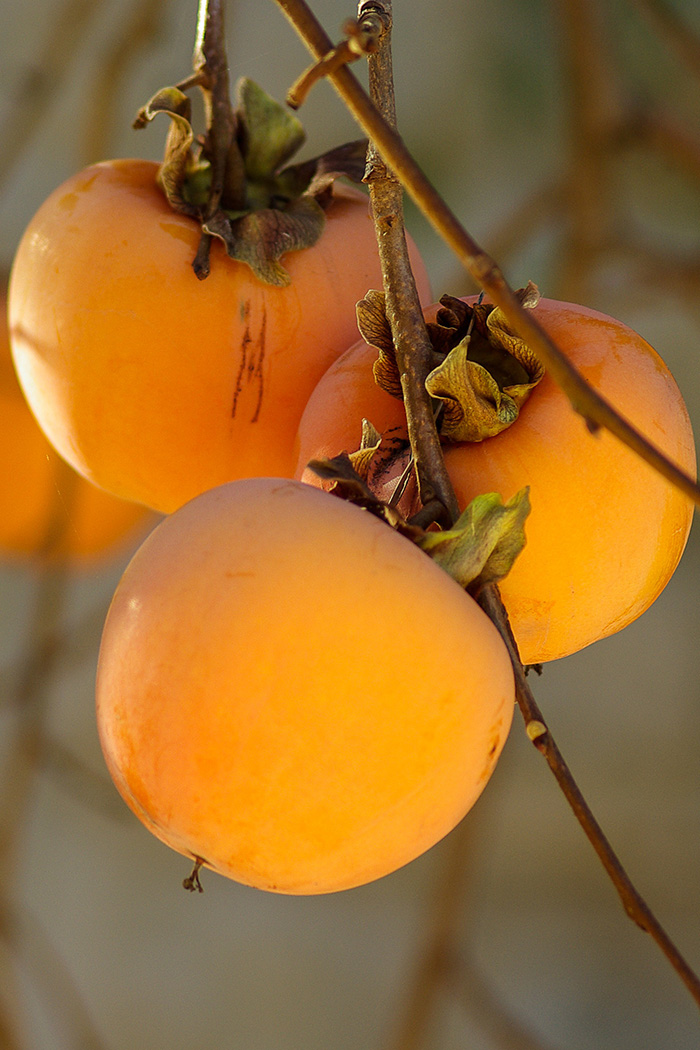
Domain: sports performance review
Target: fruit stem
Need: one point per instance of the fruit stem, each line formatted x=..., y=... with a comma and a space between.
x=590, y=405
x=192, y=882
x=220, y=143
x=403, y=309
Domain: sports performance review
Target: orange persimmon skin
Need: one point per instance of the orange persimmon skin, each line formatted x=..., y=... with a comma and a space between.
x=47, y=511
x=155, y=385
x=295, y=694
x=606, y=532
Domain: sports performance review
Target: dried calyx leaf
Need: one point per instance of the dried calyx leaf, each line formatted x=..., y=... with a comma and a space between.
x=267, y=207
x=175, y=169
x=375, y=329
x=484, y=542
x=487, y=375
x=480, y=548
x=350, y=475
x=483, y=371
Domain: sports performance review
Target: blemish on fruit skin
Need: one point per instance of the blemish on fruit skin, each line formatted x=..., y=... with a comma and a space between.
x=492, y=753
x=250, y=370
x=178, y=230
x=68, y=202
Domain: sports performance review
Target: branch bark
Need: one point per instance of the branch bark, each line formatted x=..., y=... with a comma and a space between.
x=403, y=308
x=595, y=409
x=590, y=405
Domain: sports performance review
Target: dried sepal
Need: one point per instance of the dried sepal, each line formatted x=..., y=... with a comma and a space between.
x=260, y=238
x=375, y=329
x=369, y=446
x=485, y=378
x=349, y=476
x=267, y=207
x=178, y=161
x=484, y=542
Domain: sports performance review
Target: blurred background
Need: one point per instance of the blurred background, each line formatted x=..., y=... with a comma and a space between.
x=566, y=137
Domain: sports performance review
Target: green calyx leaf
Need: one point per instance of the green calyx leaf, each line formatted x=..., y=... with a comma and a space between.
x=269, y=134
x=485, y=541
x=265, y=207
x=260, y=238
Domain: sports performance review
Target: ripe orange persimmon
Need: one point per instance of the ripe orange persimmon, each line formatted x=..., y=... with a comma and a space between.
x=293, y=693
x=605, y=532
x=47, y=511
x=155, y=385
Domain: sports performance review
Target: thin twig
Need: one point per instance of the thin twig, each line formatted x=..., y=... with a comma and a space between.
x=634, y=904
x=584, y=400
x=221, y=145
x=403, y=308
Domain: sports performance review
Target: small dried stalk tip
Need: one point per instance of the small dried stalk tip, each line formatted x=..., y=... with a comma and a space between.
x=267, y=207
x=361, y=38
x=482, y=373
x=192, y=882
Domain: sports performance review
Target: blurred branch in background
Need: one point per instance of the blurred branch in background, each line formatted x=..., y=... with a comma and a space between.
x=675, y=30
x=444, y=968
x=606, y=120
x=53, y=64
x=138, y=31
x=43, y=80
x=23, y=758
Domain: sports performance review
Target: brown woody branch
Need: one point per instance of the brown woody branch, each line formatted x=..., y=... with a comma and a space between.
x=404, y=312
x=589, y=404
x=536, y=727
x=593, y=408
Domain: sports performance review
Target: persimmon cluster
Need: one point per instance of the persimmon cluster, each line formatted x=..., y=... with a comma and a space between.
x=298, y=690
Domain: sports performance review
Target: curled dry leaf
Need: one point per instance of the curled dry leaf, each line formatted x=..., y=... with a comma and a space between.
x=483, y=370
x=178, y=164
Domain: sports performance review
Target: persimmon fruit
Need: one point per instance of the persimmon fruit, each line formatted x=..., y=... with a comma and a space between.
x=48, y=513
x=157, y=386
x=293, y=693
x=605, y=532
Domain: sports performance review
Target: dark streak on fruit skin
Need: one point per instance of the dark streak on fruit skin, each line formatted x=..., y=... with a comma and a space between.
x=252, y=359
x=245, y=343
x=258, y=370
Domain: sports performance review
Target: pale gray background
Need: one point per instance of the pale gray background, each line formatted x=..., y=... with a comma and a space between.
x=479, y=98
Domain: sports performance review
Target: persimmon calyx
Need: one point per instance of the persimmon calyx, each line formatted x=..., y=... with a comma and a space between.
x=484, y=542
x=350, y=476
x=480, y=548
x=267, y=207
x=482, y=371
